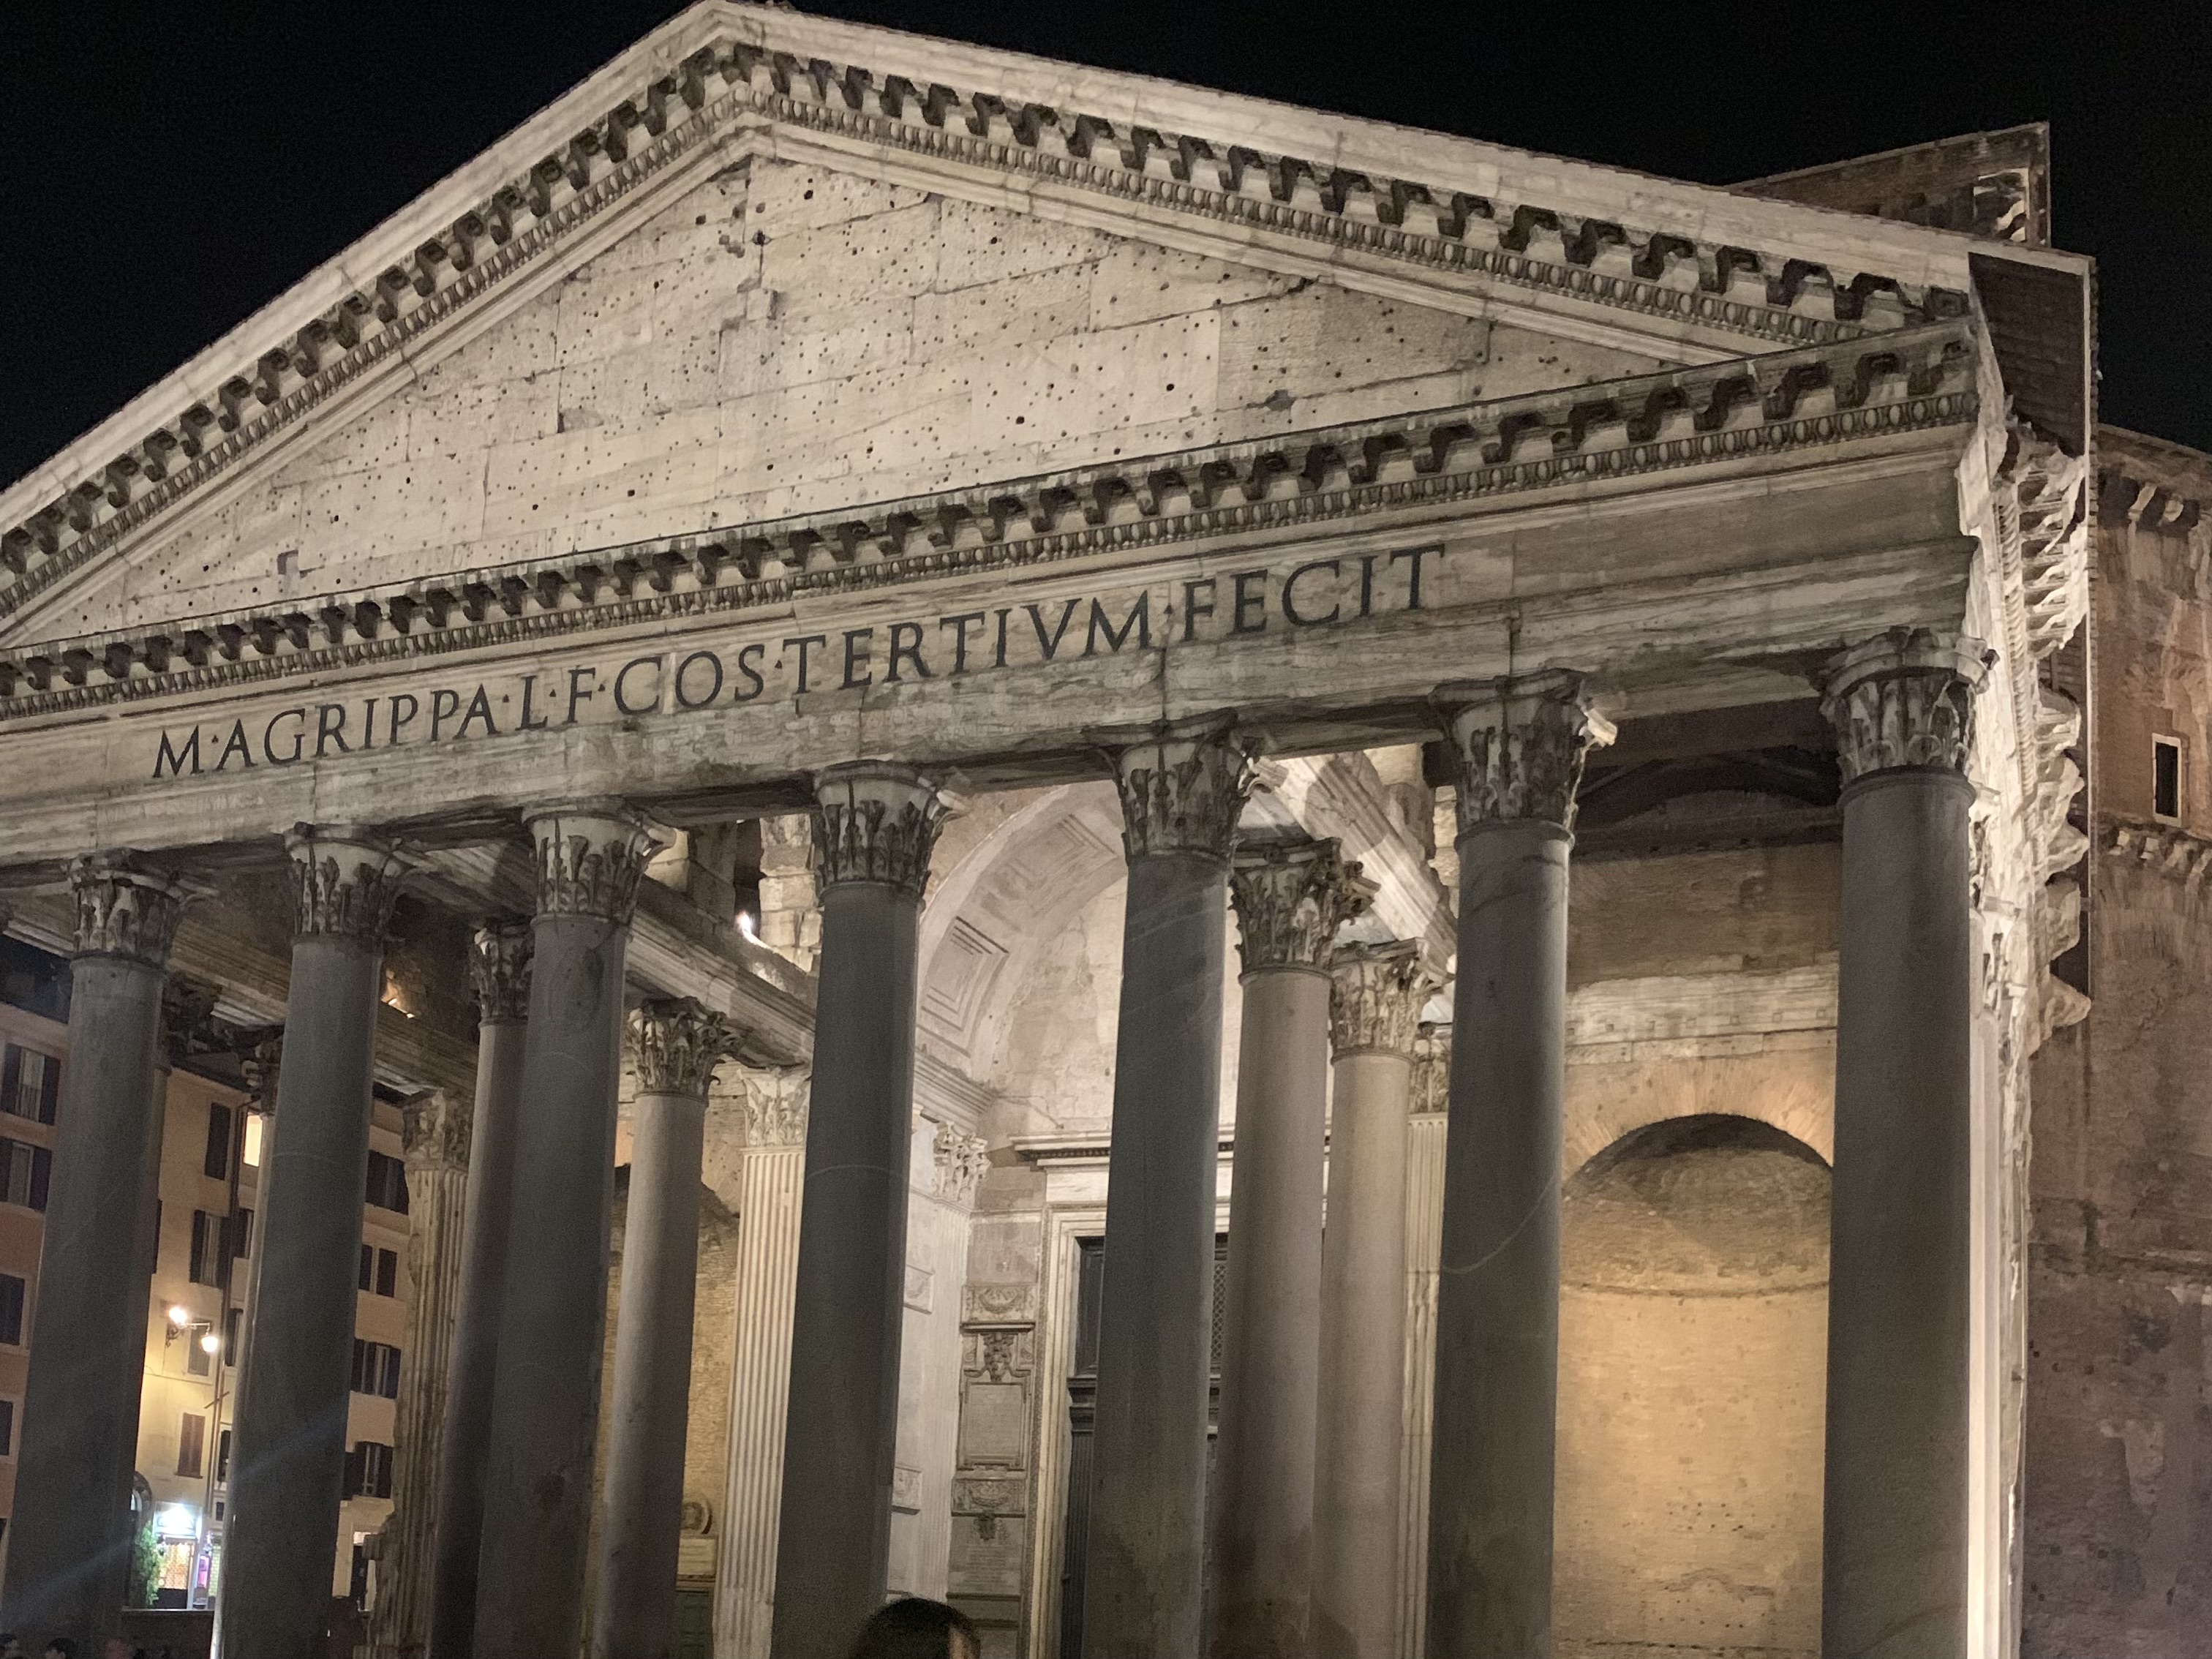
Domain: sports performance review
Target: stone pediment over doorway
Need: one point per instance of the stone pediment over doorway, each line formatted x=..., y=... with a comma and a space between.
x=764, y=267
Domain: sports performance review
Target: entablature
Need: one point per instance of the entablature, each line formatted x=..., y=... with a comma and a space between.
x=1590, y=248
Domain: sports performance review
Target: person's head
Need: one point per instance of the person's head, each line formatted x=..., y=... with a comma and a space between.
x=61, y=1648
x=912, y=1628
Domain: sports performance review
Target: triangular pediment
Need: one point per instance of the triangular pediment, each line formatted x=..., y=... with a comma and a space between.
x=765, y=263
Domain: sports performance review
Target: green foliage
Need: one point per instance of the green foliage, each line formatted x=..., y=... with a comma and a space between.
x=145, y=1566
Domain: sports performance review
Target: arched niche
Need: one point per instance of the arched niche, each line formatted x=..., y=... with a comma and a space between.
x=1692, y=1360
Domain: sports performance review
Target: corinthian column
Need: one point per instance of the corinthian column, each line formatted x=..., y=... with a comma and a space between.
x=545, y=1395
x=1182, y=787
x=1893, y=1556
x=1375, y=1012
x=70, y=1546
x=289, y=1464
x=676, y=1044
x=1290, y=899
x=874, y=828
x=773, y=1162
x=1519, y=745
x=434, y=1136
x=499, y=966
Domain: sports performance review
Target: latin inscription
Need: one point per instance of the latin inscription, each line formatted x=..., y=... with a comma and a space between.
x=1318, y=594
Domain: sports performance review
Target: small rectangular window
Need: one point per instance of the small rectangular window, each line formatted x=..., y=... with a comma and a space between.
x=2166, y=777
x=387, y=1183
x=7, y=1428
x=241, y=1233
x=388, y=1384
x=231, y=1318
x=221, y=1463
x=217, y=1162
x=206, y=1267
x=368, y=1267
x=30, y=1084
x=387, y=1273
x=25, y=1171
x=197, y=1360
x=11, y=1310
x=191, y=1443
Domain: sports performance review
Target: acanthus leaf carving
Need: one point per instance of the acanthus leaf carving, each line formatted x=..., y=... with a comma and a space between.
x=344, y=882
x=590, y=857
x=124, y=911
x=874, y=822
x=499, y=967
x=773, y=1102
x=1520, y=744
x=1182, y=788
x=1291, y=898
x=676, y=1043
x=1906, y=699
x=434, y=1130
x=1376, y=995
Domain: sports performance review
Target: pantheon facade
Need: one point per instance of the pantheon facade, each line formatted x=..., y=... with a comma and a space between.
x=1228, y=880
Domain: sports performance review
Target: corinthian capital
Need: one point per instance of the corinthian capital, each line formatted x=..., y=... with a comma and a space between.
x=122, y=911
x=876, y=821
x=499, y=966
x=773, y=1101
x=1905, y=700
x=434, y=1131
x=1375, y=994
x=1290, y=897
x=590, y=855
x=1182, y=786
x=1520, y=744
x=676, y=1042
x=344, y=882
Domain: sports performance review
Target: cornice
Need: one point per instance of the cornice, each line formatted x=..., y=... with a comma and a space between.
x=2166, y=848
x=1664, y=278
x=1746, y=409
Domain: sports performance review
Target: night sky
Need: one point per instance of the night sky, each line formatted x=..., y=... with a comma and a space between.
x=166, y=169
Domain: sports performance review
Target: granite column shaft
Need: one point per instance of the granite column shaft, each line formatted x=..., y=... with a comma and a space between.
x=1894, y=1548
x=289, y=1462
x=874, y=828
x=499, y=963
x=676, y=1044
x=70, y=1540
x=545, y=1393
x=1520, y=745
x=1375, y=1012
x=1290, y=898
x=1144, y=1577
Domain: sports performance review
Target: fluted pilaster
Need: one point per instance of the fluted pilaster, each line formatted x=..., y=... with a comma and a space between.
x=434, y=1136
x=775, y=1105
